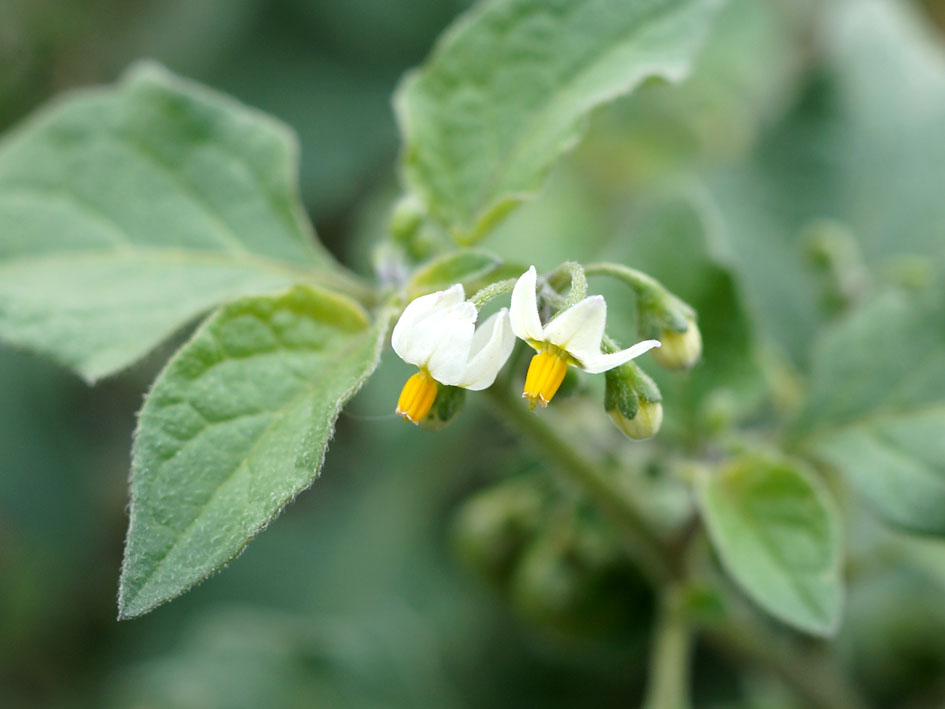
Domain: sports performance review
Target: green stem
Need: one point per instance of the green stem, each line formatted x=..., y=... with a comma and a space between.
x=493, y=290
x=639, y=281
x=599, y=485
x=574, y=273
x=670, y=655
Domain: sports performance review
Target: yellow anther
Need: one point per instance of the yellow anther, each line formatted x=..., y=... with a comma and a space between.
x=417, y=397
x=545, y=374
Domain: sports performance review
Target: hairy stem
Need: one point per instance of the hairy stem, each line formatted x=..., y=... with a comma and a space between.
x=493, y=290
x=573, y=272
x=637, y=280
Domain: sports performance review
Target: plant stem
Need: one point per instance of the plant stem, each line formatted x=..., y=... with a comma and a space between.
x=639, y=281
x=574, y=273
x=599, y=485
x=493, y=290
x=669, y=658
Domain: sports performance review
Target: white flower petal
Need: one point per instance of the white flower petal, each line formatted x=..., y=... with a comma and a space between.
x=491, y=346
x=425, y=337
x=452, y=333
x=596, y=364
x=419, y=309
x=523, y=311
x=579, y=329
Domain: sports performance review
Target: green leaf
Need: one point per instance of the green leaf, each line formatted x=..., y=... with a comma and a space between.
x=777, y=533
x=233, y=429
x=872, y=108
x=886, y=61
x=126, y=212
x=876, y=407
x=509, y=89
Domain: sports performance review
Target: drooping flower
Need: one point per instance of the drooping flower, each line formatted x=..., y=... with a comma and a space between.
x=438, y=334
x=572, y=338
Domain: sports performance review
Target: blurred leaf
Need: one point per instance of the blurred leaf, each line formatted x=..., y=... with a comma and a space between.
x=876, y=408
x=777, y=533
x=670, y=234
x=888, y=71
x=234, y=428
x=249, y=657
x=126, y=212
x=508, y=90
x=715, y=113
x=873, y=107
x=326, y=68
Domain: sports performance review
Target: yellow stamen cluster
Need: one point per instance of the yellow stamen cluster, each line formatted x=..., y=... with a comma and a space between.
x=417, y=397
x=545, y=374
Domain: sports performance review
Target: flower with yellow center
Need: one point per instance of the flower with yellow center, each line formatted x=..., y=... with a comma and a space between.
x=572, y=338
x=438, y=334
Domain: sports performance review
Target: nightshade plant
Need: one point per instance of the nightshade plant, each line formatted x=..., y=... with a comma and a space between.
x=129, y=212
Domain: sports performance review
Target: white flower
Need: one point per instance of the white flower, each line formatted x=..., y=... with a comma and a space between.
x=438, y=334
x=573, y=337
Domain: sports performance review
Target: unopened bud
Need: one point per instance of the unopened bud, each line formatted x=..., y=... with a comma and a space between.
x=406, y=217
x=679, y=350
x=447, y=405
x=644, y=425
x=633, y=401
x=663, y=316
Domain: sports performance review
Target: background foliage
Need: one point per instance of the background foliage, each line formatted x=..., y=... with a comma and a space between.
x=789, y=189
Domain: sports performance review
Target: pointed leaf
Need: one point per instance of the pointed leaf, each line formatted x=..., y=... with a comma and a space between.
x=234, y=427
x=777, y=533
x=509, y=89
x=125, y=212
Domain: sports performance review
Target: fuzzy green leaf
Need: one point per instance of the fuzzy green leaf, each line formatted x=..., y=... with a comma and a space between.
x=125, y=212
x=777, y=533
x=234, y=428
x=509, y=89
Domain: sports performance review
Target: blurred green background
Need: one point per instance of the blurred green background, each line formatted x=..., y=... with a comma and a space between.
x=800, y=121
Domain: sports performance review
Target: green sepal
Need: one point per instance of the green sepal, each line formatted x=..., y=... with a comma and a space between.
x=447, y=405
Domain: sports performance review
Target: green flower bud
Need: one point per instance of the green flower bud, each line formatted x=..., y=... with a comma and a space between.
x=679, y=349
x=633, y=401
x=406, y=217
x=663, y=316
x=644, y=425
x=447, y=405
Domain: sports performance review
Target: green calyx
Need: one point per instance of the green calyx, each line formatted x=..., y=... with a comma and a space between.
x=449, y=402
